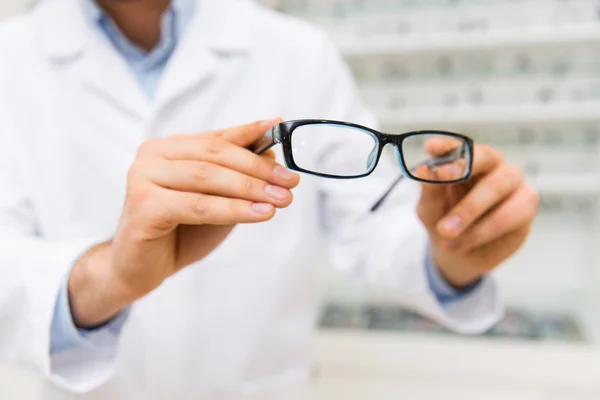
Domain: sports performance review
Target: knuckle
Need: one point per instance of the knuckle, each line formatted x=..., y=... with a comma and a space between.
x=515, y=173
x=163, y=218
x=212, y=134
x=200, y=206
x=149, y=147
x=257, y=165
x=212, y=147
x=203, y=171
x=499, y=223
x=136, y=172
x=247, y=186
x=139, y=195
x=234, y=208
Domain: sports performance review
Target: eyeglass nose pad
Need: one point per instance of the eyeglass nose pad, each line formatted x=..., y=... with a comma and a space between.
x=401, y=162
x=372, y=158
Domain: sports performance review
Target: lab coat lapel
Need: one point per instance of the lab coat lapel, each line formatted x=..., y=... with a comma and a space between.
x=107, y=74
x=218, y=30
x=68, y=38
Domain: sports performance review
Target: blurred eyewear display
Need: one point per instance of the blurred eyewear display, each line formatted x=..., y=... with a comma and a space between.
x=517, y=324
x=343, y=150
x=404, y=18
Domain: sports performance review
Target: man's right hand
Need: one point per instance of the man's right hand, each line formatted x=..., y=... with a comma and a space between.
x=184, y=196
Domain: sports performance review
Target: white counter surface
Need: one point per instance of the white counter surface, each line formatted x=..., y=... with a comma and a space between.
x=376, y=366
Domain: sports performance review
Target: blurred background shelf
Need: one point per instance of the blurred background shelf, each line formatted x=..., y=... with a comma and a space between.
x=460, y=41
x=565, y=185
x=473, y=116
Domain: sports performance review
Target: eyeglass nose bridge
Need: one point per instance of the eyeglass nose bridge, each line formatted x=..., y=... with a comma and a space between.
x=395, y=141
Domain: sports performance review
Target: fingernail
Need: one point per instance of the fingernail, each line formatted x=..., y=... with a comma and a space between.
x=284, y=173
x=277, y=192
x=262, y=208
x=452, y=224
x=270, y=121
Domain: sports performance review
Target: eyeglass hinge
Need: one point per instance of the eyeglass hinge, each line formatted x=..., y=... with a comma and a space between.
x=276, y=134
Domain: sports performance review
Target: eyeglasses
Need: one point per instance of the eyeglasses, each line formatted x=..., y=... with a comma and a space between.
x=342, y=150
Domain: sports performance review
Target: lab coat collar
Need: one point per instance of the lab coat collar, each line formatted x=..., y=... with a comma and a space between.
x=64, y=31
x=67, y=36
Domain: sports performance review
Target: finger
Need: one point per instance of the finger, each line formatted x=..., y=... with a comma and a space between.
x=269, y=154
x=486, y=194
x=245, y=135
x=437, y=199
x=496, y=252
x=516, y=212
x=485, y=160
x=444, y=173
x=450, y=172
x=436, y=145
x=228, y=155
x=432, y=204
x=242, y=136
x=213, y=179
x=184, y=208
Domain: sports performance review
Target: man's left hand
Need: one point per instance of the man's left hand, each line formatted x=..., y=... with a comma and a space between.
x=475, y=226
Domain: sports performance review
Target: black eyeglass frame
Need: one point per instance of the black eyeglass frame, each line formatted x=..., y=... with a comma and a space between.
x=282, y=134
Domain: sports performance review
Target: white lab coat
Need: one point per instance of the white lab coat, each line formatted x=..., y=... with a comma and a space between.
x=238, y=324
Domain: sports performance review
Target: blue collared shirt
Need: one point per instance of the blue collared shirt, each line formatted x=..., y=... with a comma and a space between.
x=148, y=68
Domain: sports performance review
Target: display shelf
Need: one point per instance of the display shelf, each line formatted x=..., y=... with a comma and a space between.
x=469, y=116
x=457, y=41
x=566, y=185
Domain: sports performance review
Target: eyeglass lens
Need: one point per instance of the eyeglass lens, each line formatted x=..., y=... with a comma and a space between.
x=436, y=157
x=346, y=152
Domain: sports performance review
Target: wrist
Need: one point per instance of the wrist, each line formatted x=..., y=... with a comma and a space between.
x=95, y=294
x=456, y=276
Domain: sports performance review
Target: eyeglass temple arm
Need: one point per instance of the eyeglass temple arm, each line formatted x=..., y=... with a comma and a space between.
x=270, y=139
x=434, y=162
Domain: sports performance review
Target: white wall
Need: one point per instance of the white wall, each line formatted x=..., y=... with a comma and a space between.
x=11, y=7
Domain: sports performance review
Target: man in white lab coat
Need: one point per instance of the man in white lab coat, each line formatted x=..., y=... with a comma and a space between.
x=121, y=273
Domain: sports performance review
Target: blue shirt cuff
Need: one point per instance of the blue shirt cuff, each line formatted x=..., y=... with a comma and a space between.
x=444, y=292
x=66, y=336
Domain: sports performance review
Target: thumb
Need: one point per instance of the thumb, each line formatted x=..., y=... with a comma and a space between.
x=432, y=204
x=438, y=145
x=246, y=135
